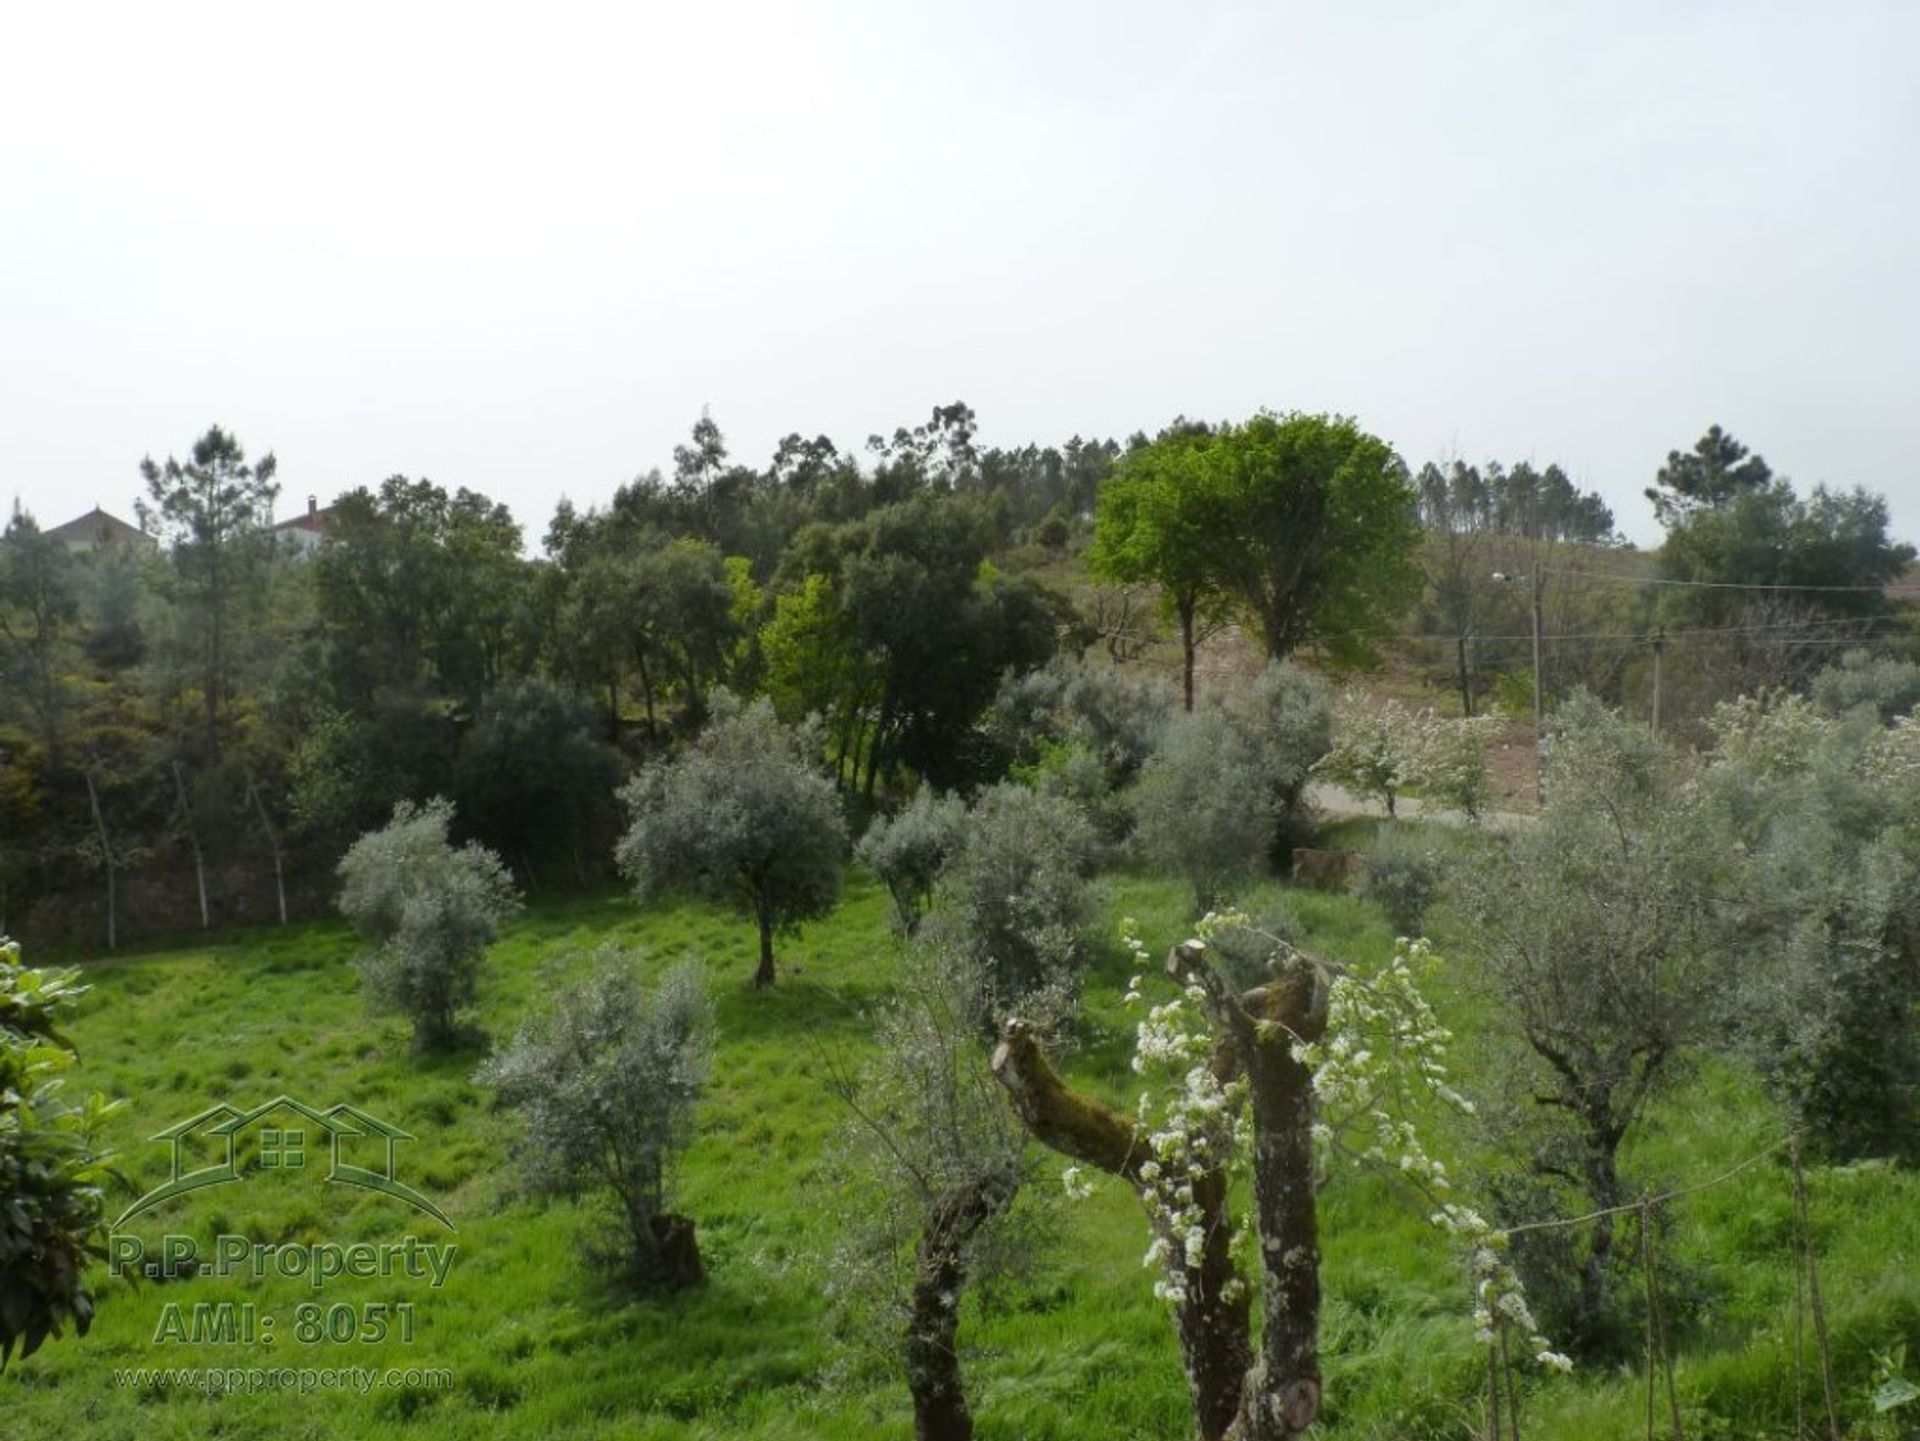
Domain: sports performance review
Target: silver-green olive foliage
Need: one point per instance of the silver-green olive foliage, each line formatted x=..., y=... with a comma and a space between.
x=1224, y=789
x=743, y=815
x=907, y=851
x=427, y=911
x=606, y=1081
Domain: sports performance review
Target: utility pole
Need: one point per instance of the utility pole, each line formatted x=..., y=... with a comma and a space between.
x=1539, y=671
x=1538, y=583
x=1659, y=657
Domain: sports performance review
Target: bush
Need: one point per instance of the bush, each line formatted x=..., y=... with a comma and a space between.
x=427, y=912
x=907, y=851
x=743, y=815
x=1117, y=718
x=1450, y=764
x=1018, y=896
x=1891, y=687
x=1292, y=717
x=1820, y=815
x=606, y=1082
x=1402, y=877
x=1204, y=808
x=52, y=1171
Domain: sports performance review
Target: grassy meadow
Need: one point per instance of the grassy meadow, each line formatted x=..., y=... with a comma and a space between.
x=538, y=1348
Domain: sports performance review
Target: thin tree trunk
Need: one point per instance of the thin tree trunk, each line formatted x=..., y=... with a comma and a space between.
x=193, y=840
x=273, y=845
x=1187, y=604
x=1466, y=686
x=106, y=852
x=646, y=694
x=764, y=977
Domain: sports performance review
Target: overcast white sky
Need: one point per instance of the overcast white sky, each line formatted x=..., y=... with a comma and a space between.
x=518, y=249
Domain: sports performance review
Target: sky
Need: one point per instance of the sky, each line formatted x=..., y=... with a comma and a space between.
x=520, y=248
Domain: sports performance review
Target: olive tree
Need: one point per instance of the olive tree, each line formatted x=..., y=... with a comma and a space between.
x=1019, y=895
x=1202, y=809
x=908, y=850
x=1825, y=816
x=743, y=814
x=1596, y=929
x=53, y=1172
x=606, y=1081
x=427, y=910
x=928, y=1167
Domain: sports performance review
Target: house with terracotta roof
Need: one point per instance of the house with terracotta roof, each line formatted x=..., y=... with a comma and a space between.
x=96, y=529
x=305, y=532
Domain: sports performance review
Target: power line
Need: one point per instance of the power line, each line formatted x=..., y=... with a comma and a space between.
x=1911, y=587
x=1654, y=634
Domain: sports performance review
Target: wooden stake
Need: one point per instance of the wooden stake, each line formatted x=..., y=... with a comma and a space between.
x=1813, y=1291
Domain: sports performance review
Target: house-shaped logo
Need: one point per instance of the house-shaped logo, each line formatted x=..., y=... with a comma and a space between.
x=283, y=1135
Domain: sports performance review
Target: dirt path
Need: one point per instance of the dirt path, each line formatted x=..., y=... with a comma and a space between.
x=1342, y=804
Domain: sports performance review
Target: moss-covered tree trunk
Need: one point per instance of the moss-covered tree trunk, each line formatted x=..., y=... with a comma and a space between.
x=940, y=1411
x=1238, y=1395
x=1212, y=1318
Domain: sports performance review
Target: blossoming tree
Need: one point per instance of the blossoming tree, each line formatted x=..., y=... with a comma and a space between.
x=1306, y=1062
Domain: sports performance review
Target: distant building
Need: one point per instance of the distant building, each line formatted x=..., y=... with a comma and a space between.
x=305, y=532
x=96, y=529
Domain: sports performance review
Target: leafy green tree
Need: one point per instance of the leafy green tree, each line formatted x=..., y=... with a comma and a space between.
x=533, y=778
x=607, y=1080
x=1766, y=535
x=346, y=771
x=418, y=589
x=1313, y=530
x=39, y=609
x=53, y=1172
x=213, y=509
x=815, y=665
x=1158, y=522
x=927, y=630
x=427, y=911
x=743, y=814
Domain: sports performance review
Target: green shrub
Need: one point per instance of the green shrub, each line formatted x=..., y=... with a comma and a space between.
x=1402, y=877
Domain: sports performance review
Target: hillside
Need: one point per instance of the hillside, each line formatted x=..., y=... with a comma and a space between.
x=537, y=1349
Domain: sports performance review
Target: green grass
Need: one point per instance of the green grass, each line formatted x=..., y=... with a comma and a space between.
x=540, y=1349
